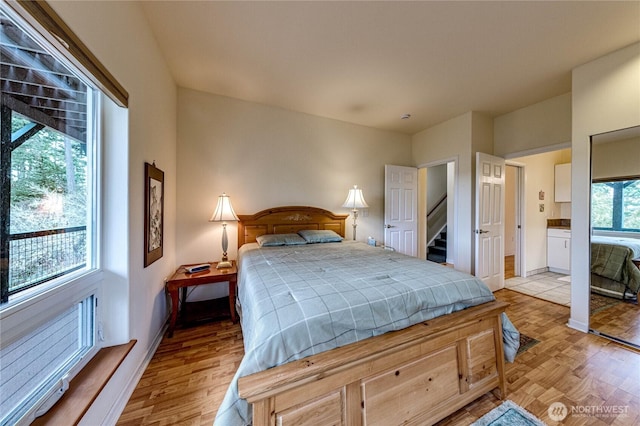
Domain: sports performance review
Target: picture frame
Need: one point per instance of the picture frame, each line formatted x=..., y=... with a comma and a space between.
x=153, y=213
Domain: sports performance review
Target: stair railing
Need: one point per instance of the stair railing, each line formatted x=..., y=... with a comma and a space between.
x=436, y=219
x=438, y=204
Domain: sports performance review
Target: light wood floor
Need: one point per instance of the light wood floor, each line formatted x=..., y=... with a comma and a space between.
x=509, y=267
x=188, y=376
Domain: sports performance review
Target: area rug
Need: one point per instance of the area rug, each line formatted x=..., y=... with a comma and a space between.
x=600, y=303
x=509, y=414
x=526, y=343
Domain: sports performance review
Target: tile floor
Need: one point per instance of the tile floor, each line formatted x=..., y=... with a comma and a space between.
x=549, y=286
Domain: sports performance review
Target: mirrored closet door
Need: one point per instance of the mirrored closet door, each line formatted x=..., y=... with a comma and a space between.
x=615, y=235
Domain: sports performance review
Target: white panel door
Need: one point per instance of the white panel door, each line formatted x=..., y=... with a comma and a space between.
x=489, y=230
x=401, y=209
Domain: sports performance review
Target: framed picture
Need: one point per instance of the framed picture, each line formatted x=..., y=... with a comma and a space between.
x=153, y=213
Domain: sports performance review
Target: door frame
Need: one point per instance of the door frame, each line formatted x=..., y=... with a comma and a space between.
x=452, y=255
x=520, y=260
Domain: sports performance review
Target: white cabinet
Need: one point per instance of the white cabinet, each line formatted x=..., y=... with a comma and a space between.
x=559, y=250
x=563, y=183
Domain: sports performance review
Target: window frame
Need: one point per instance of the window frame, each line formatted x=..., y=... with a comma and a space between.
x=26, y=311
x=42, y=18
x=18, y=320
x=93, y=126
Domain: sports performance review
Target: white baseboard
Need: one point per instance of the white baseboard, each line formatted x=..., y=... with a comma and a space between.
x=577, y=325
x=118, y=407
x=560, y=271
x=536, y=272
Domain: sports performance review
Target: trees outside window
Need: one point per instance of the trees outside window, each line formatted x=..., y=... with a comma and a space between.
x=615, y=205
x=48, y=181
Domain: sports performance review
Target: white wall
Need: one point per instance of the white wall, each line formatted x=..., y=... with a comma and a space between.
x=451, y=141
x=534, y=128
x=422, y=212
x=436, y=184
x=605, y=97
x=451, y=210
x=264, y=156
x=616, y=159
x=117, y=33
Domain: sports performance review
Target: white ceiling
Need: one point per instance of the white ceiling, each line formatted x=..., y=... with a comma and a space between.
x=369, y=62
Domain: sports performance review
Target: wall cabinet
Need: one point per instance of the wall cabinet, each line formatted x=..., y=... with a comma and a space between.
x=559, y=250
x=563, y=183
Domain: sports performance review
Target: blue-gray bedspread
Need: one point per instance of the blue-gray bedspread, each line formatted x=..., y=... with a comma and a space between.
x=297, y=301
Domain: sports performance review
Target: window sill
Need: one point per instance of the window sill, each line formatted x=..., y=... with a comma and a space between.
x=86, y=386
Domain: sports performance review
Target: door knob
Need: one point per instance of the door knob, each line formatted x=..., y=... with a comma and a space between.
x=389, y=226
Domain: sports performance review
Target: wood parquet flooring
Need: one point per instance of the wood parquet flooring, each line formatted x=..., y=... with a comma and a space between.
x=187, y=378
x=621, y=320
x=580, y=370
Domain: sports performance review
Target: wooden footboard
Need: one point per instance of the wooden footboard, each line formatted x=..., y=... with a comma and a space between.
x=418, y=375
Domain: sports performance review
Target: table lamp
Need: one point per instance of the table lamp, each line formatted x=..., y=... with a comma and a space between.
x=224, y=213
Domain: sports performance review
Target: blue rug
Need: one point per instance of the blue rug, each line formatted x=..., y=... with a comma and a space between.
x=509, y=414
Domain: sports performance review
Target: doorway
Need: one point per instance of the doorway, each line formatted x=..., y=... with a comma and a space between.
x=438, y=231
x=437, y=206
x=513, y=220
x=535, y=207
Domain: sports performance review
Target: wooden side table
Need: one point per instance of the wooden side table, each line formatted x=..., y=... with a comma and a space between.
x=181, y=279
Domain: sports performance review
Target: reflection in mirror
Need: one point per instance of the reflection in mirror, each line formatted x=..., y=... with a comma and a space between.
x=615, y=235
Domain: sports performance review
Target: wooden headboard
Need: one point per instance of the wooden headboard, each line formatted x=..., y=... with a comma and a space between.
x=287, y=219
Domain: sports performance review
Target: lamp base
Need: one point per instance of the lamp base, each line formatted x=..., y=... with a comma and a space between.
x=225, y=264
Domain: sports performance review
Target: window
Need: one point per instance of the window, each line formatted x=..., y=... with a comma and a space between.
x=47, y=146
x=49, y=281
x=36, y=366
x=616, y=205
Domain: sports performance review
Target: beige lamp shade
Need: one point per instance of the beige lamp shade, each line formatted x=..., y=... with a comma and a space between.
x=355, y=199
x=224, y=211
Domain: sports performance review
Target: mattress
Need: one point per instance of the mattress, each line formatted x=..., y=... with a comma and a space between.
x=632, y=243
x=297, y=301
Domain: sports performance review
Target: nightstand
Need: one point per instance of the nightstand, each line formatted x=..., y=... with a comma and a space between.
x=181, y=279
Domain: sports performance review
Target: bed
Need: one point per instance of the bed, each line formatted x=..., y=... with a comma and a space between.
x=615, y=263
x=344, y=333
